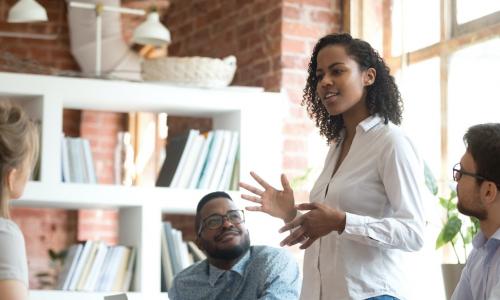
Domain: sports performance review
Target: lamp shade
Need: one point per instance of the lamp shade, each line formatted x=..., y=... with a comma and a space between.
x=27, y=11
x=151, y=32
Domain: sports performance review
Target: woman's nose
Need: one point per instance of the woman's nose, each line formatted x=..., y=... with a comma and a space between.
x=326, y=81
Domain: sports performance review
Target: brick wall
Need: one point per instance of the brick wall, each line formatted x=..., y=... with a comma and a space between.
x=248, y=29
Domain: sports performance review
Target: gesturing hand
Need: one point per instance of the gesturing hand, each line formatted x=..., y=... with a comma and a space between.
x=274, y=202
x=319, y=221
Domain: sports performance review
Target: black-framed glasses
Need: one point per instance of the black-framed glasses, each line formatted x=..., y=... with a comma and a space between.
x=216, y=221
x=458, y=173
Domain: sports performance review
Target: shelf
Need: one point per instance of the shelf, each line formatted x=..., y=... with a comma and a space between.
x=65, y=295
x=84, y=196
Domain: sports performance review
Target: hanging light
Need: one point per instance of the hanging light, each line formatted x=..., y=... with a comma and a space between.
x=151, y=31
x=27, y=11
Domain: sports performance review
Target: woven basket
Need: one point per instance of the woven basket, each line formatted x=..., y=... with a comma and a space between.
x=194, y=71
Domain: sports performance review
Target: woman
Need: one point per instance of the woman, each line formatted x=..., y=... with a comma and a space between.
x=18, y=152
x=366, y=206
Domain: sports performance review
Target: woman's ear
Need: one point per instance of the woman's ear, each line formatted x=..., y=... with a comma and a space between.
x=369, y=76
x=11, y=178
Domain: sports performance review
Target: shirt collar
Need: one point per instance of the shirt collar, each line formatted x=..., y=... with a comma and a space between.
x=215, y=273
x=480, y=240
x=370, y=122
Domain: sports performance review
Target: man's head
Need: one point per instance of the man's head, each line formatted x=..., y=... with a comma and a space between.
x=220, y=226
x=478, y=174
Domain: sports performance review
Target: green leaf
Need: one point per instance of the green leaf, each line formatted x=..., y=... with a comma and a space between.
x=449, y=231
x=430, y=180
x=443, y=202
x=453, y=194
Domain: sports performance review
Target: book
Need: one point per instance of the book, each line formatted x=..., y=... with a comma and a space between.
x=119, y=277
x=193, y=133
x=202, y=158
x=229, y=165
x=89, y=262
x=70, y=263
x=91, y=282
x=88, y=162
x=166, y=261
x=192, y=158
x=213, y=153
x=129, y=271
x=221, y=160
x=174, y=150
x=65, y=165
x=80, y=265
x=104, y=272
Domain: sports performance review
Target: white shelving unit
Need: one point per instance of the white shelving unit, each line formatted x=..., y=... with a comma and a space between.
x=256, y=114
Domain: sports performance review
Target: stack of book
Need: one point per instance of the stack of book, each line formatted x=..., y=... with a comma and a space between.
x=176, y=254
x=95, y=267
x=77, y=162
x=202, y=161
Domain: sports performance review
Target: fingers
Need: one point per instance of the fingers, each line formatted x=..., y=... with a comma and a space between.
x=289, y=226
x=294, y=238
x=251, y=188
x=308, y=243
x=253, y=199
x=285, y=183
x=261, y=181
x=306, y=206
x=254, y=208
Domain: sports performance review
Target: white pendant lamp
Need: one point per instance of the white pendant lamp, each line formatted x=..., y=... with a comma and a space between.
x=151, y=32
x=27, y=11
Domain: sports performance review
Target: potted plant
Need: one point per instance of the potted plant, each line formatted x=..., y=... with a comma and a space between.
x=457, y=232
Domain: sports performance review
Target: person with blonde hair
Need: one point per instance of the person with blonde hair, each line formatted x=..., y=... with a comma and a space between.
x=18, y=153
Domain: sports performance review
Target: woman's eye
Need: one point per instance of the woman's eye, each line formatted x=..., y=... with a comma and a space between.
x=337, y=71
x=319, y=76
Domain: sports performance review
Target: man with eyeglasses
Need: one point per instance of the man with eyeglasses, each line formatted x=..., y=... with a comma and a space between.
x=233, y=269
x=478, y=190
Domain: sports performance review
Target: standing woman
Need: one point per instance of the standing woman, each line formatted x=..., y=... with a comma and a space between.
x=366, y=206
x=18, y=153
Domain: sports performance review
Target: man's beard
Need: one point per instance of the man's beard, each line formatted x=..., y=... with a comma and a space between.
x=480, y=214
x=233, y=253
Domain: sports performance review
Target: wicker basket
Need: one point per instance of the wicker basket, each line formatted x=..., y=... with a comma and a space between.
x=194, y=71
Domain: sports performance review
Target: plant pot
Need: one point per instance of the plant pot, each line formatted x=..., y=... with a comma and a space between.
x=451, y=276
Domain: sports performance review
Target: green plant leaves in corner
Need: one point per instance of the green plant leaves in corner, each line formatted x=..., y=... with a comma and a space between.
x=449, y=231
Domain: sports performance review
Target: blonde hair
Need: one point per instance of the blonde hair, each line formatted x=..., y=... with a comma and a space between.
x=18, y=145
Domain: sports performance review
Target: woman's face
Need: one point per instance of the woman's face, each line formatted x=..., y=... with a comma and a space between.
x=341, y=83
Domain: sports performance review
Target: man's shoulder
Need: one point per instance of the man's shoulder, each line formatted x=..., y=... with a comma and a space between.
x=265, y=253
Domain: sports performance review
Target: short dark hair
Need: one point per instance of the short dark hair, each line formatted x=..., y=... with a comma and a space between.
x=205, y=200
x=382, y=97
x=483, y=143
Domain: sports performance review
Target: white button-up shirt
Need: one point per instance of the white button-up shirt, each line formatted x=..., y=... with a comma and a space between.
x=480, y=278
x=380, y=185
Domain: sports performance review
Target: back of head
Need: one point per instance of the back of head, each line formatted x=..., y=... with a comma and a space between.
x=483, y=143
x=382, y=97
x=18, y=144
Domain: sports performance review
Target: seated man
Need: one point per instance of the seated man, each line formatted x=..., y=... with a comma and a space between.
x=233, y=269
x=478, y=190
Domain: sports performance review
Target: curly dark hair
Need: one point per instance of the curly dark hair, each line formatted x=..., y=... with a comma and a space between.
x=382, y=97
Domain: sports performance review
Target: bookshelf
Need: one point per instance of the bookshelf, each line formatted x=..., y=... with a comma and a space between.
x=255, y=114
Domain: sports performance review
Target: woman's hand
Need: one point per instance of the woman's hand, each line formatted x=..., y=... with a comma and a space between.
x=319, y=221
x=279, y=204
